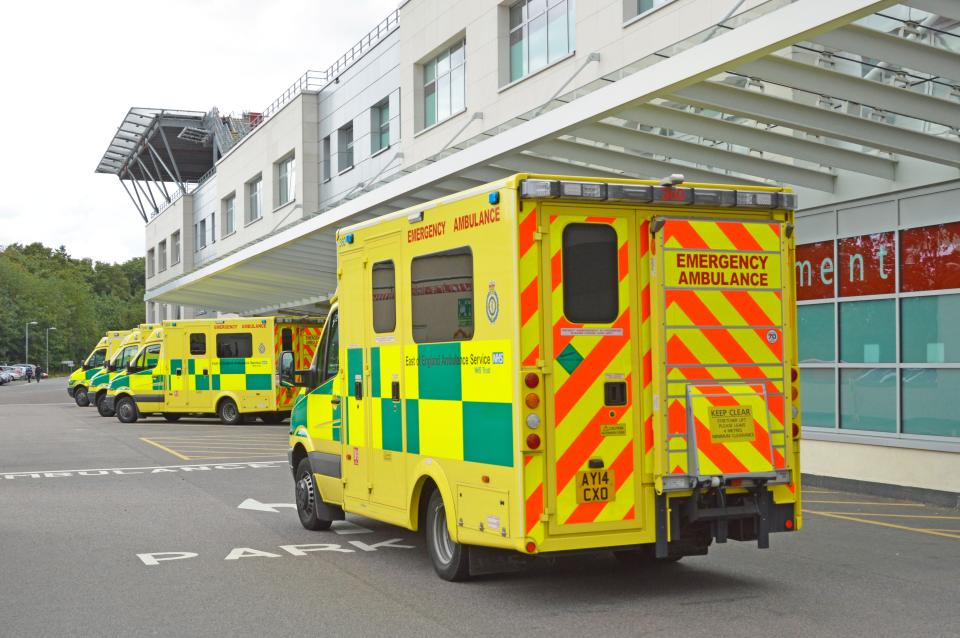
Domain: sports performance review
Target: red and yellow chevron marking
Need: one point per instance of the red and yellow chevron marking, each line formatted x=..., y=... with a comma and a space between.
x=722, y=334
x=533, y=494
x=578, y=401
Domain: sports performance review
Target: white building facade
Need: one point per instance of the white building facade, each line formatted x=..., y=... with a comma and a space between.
x=855, y=104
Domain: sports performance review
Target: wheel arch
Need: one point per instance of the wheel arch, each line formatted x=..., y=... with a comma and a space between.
x=431, y=477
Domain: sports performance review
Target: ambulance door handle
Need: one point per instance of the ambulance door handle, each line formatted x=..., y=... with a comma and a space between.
x=335, y=401
x=358, y=389
x=595, y=464
x=178, y=372
x=205, y=371
x=395, y=391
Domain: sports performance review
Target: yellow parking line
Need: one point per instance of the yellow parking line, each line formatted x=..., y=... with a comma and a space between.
x=948, y=530
x=947, y=518
x=905, y=528
x=165, y=449
x=234, y=456
x=863, y=503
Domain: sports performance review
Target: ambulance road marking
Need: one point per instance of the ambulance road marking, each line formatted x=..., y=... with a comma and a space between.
x=207, y=448
x=152, y=469
x=165, y=449
x=857, y=519
x=340, y=527
x=152, y=559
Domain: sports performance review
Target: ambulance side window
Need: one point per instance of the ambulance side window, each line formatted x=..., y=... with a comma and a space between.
x=148, y=358
x=235, y=346
x=590, y=277
x=97, y=358
x=329, y=363
x=286, y=339
x=126, y=357
x=384, y=296
x=198, y=343
x=441, y=296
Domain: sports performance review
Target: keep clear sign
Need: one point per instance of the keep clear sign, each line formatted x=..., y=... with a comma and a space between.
x=721, y=269
x=730, y=423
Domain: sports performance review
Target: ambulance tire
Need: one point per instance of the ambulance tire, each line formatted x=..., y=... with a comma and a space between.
x=451, y=560
x=102, y=409
x=80, y=396
x=172, y=418
x=229, y=413
x=127, y=410
x=307, y=495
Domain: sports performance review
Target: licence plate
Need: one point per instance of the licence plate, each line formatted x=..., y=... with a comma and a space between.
x=596, y=486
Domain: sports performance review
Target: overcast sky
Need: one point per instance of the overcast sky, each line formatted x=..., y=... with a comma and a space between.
x=71, y=70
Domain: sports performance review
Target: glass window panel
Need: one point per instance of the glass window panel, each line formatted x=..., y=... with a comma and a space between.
x=571, y=24
x=430, y=104
x=536, y=7
x=518, y=61
x=429, y=72
x=441, y=296
x=925, y=409
x=867, y=331
x=443, y=97
x=538, y=43
x=443, y=64
x=557, y=32
x=868, y=399
x=457, y=90
x=516, y=15
x=928, y=330
x=235, y=345
x=590, y=273
x=818, y=390
x=384, y=297
x=456, y=55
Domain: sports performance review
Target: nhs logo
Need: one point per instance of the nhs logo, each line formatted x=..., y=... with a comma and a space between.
x=498, y=358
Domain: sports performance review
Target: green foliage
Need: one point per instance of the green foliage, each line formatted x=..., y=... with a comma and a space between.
x=81, y=298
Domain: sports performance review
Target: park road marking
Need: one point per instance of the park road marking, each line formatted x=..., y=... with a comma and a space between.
x=906, y=528
x=165, y=449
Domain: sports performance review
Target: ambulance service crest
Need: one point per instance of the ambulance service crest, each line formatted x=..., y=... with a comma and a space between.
x=493, y=302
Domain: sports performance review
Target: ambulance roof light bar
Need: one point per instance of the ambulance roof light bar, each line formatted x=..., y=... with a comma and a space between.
x=665, y=194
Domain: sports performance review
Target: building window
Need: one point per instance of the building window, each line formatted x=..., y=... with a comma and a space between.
x=441, y=296
x=590, y=279
x=212, y=225
x=444, y=84
x=326, y=159
x=162, y=256
x=254, y=199
x=642, y=6
x=384, y=297
x=228, y=206
x=150, y=266
x=867, y=331
x=541, y=32
x=345, y=148
x=175, y=248
x=202, y=231
x=380, y=126
x=235, y=346
x=286, y=181
x=815, y=333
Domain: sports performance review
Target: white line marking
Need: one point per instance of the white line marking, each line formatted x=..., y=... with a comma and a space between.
x=14, y=405
x=348, y=527
x=148, y=467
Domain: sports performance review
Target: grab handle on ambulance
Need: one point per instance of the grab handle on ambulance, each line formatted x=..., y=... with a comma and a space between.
x=358, y=388
x=395, y=391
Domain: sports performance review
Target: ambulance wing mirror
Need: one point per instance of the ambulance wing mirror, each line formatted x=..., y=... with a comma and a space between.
x=286, y=372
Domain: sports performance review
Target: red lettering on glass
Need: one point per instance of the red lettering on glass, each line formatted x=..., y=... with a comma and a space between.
x=867, y=265
x=815, y=271
x=930, y=258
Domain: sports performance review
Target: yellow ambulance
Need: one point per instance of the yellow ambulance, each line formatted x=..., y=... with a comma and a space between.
x=547, y=364
x=100, y=383
x=78, y=383
x=221, y=367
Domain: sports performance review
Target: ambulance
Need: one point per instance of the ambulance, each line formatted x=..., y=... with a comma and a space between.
x=100, y=383
x=550, y=364
x=214, y=367
x=78, y=383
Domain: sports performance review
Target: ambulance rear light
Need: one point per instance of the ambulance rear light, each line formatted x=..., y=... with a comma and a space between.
x=532, y=401
x=629, y=193
x=583, y=190
x=539, y=188
x=531, y=380
x=533, y=441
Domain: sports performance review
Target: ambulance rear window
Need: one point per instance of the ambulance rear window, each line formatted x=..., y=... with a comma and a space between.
x=384, y=297
x=235, y=346
x=441, y=296
x=590, y=273
x=286, y=339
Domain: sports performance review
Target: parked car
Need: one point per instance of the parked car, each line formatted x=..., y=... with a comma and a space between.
x=5, y=377
x=13, y=371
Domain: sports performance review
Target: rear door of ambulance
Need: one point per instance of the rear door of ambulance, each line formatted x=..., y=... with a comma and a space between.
x=720, y=302
x=591, y=297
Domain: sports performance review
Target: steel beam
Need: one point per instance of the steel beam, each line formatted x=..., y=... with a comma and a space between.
x=945, y=8
x=759, y=139
x=173, y=160
x=701, y=154
x=522, y=163
x=137, y=205
x=806, y=77
x=909, y=54
x=818, y=121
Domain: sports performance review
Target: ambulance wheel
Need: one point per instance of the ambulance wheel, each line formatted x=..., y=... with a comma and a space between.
x=451, y=560
x=307, y=495
x=172, y=418
x=127, y=410
x=80, y=396
x=229, y=413
x=101, y=405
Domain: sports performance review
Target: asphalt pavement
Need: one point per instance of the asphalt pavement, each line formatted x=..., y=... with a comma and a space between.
x=187, y=529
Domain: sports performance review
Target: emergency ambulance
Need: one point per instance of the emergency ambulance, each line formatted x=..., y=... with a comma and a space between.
x=78, y=383
x=548, y=364
x=100, y=383
x=222, y=367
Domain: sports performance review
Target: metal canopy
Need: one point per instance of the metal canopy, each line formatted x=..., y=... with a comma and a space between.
x=791, y=95
x=145, y=126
